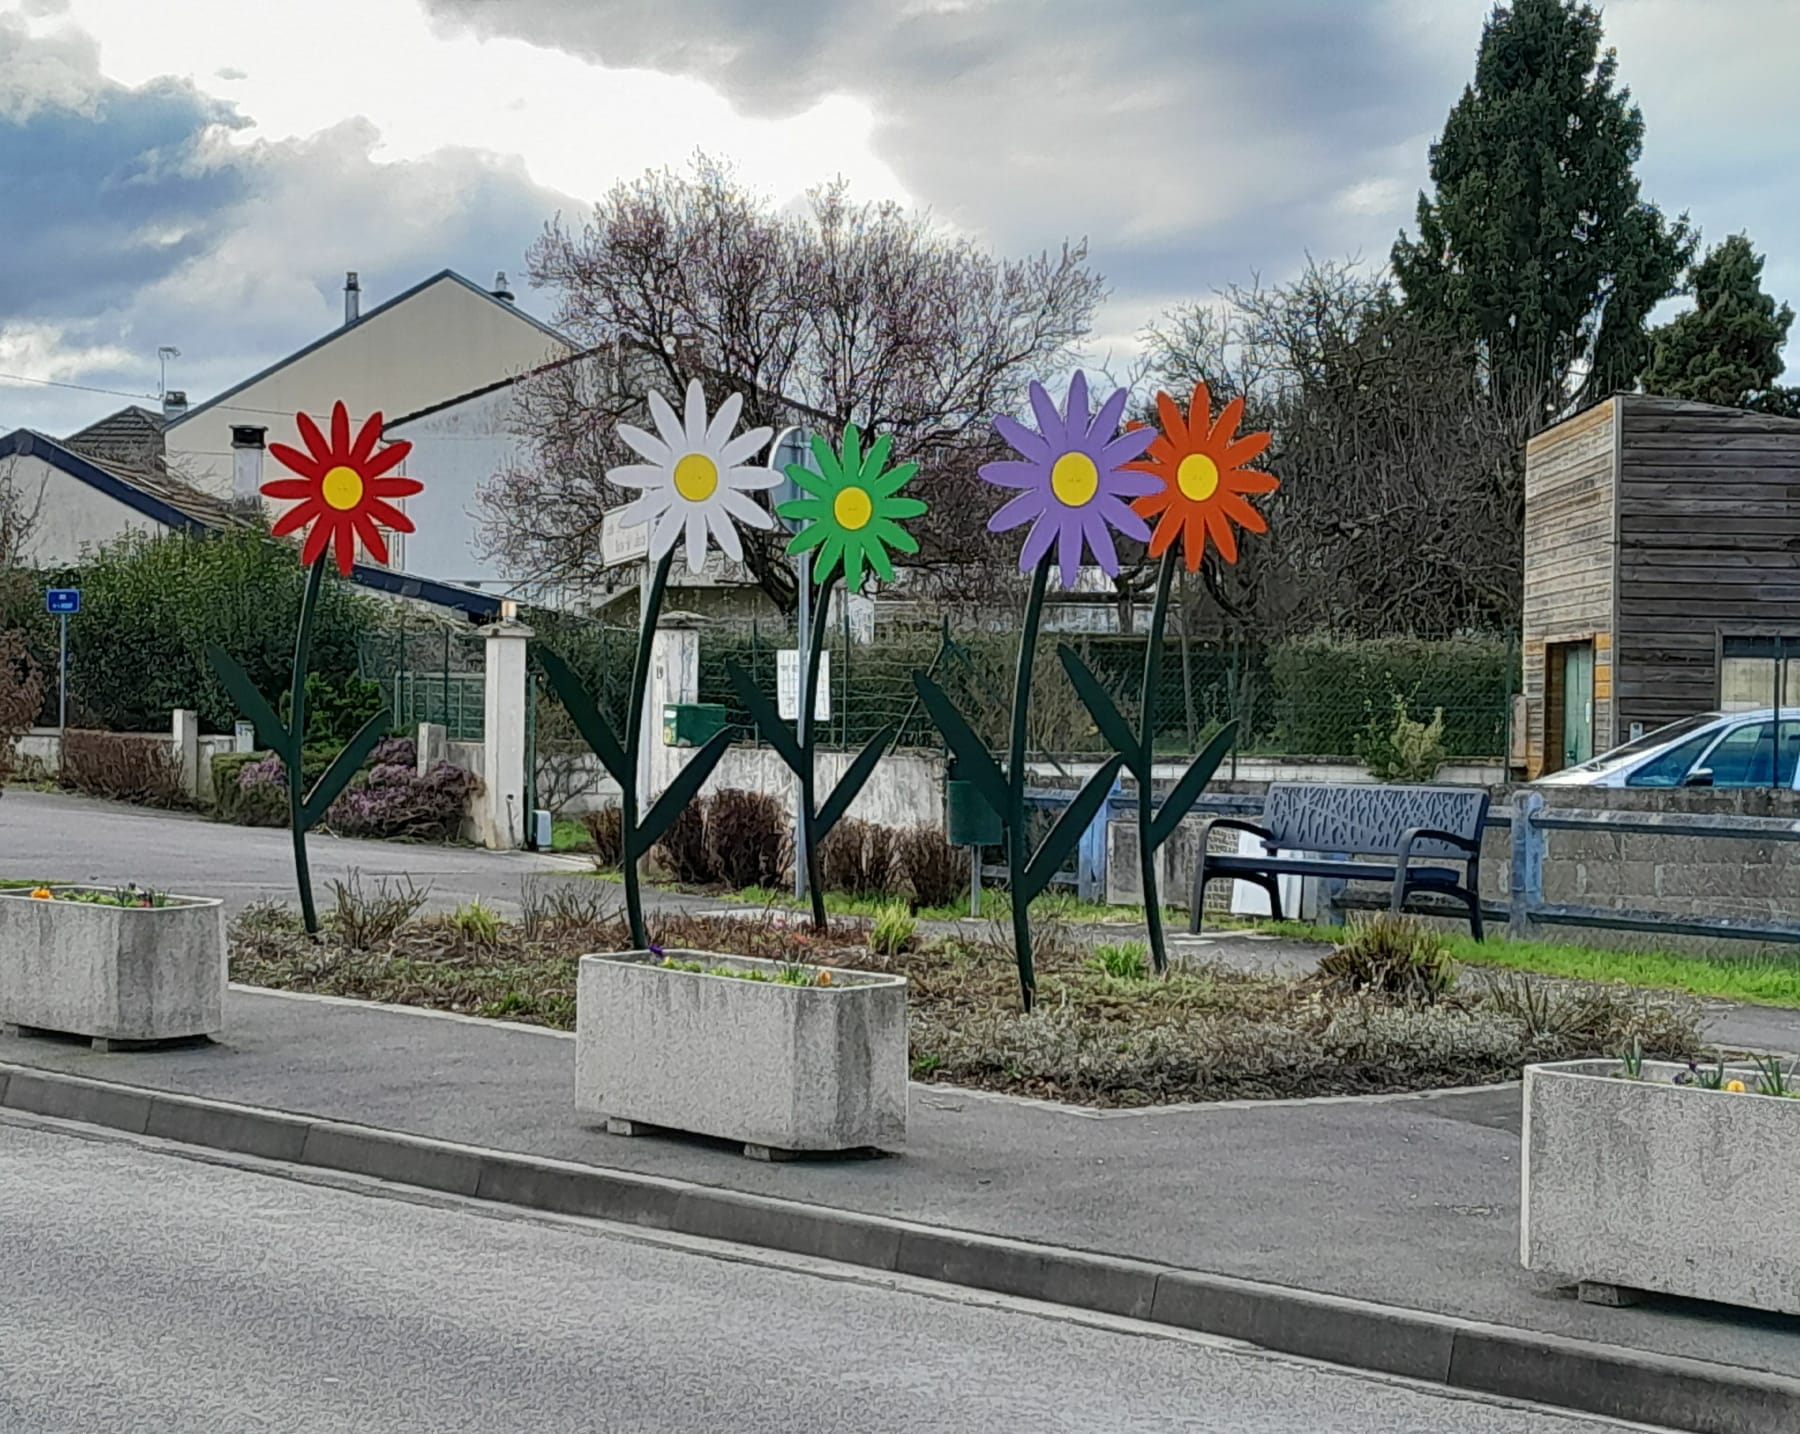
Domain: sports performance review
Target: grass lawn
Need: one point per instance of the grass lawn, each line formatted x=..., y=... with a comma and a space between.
x=1754, y=980
x=14, y=883
x=567, y=834
x=1052, y=906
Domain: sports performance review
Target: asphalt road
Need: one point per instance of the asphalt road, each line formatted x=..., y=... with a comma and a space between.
x=142, y=1291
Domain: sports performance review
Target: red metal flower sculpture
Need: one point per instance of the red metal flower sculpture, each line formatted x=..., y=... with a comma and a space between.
x=341, y=488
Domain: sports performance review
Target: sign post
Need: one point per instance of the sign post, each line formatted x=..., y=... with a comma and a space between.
x=794, y=445
x=61, y=602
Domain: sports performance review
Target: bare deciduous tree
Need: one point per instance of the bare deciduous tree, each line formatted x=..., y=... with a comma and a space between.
x=1401, y=501
x=843, y=312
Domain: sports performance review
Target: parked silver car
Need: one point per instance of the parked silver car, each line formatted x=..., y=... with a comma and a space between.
x=1715, y=749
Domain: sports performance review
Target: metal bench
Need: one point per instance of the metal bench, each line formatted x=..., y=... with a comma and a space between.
x=1379, y=832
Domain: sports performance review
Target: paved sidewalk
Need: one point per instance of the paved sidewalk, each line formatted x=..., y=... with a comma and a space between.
x=1411, y=1202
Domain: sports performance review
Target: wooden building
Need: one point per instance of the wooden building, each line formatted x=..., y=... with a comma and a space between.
x=1662, y=571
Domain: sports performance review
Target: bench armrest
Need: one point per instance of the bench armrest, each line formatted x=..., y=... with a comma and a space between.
x=1419, y=834
x=1235, y=824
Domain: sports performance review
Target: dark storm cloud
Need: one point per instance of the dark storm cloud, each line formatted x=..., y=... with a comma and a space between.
x=107, y=189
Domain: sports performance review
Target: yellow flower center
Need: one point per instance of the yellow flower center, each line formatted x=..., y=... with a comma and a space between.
x=343, y=488
x=696, y=477
x=1198, y=477
x=852, y=508
x=1075, y=479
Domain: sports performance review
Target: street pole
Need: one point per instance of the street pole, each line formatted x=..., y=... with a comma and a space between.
x=793, y=445
x=62, y=687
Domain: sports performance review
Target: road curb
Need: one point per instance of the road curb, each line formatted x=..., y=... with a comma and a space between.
x=1626, y=1384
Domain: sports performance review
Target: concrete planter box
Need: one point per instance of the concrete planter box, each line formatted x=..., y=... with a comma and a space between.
x=1644, y=1185
x=780, y=1068
x=117, y=975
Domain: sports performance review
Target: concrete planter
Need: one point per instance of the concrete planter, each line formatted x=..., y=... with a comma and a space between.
x=1643, y=1185
x=781, y=1068
x=117, y=975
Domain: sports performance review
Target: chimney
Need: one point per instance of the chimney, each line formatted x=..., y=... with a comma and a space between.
x=500, y=291
x=352, y=299
x=246, y=462
x=174, y=404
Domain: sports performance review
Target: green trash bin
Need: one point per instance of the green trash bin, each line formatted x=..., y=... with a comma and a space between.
x=692, y=724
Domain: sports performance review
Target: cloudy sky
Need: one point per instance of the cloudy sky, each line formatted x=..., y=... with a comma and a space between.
x=201, y=172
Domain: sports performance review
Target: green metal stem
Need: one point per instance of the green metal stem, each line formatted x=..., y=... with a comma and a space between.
x=809, y=805
x=295, y=755
x=1016, y=854
x=1159, y=614
x=634, y=735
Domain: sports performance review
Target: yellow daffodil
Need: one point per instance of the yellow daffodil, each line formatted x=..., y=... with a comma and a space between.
x=1734, y=1085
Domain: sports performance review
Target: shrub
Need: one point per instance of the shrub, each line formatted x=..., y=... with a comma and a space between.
x=1398, y=748
x=1393, y=957
x=150, y=606
x=250, y=788
x=336, y=708
x=892, y=931
x=858, y=859
x=476, y=923
x=606, y=830
x=21, y=695
x=936, y=872
x=394, y=801
x=366, y=917
x=685, y=850
x=122, y=767
x=750, y=837
x=395, y=752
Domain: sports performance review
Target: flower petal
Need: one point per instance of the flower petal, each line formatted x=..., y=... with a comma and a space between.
x=289, y=488
x=1248, y=480
x=1099, y=538
x=317, y=541
x=1054, y=432
x=1111, y=510
x=1246, y=448
x=749, y=442
x=829, y=556
x=666, y=531
x=294, y=519
x=1022, y=439
x=646, y=508
x=893, y=480
x=340, y=430
x=1021, y=509
x=725, y=533
x=1229, y=418
x=1106, y=424
x=1130, y=482
x=894, y=536
x=391, y=457
x=901, y=507
x=668, y=426
x=748, y=479
x=301, y=463
x=803, y=510
x=1037, y=543
x=733, y=502
x=809, y=537
x=1247, y=517
x=808, y=481
x=1012, y=473
x=346, y=547
x=1077, y=415
x=724, y=420
x=1068, y=550
x=395, y=487
x=1174, y=426
x=314, y=440
x=876, y=462
x=371, y=536
x=366, y=439
x=694, y=418
x=387, y=515
x=696, y=538
x=1218, y=527
x=879, y=562
x=1126, y=446
x=637, y=475
x=646, y=445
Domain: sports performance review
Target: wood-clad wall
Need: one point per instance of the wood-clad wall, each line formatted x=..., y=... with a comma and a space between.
x=1709, y=545
x=1569, y=565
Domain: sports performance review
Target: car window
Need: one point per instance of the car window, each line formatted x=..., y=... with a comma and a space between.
x=1674, y=764
x=1787, y=758
x=1745, y=757
x=1650, y=742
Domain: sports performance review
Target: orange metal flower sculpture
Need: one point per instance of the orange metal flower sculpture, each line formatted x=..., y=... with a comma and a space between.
x=342, y=489
x=1205, y=484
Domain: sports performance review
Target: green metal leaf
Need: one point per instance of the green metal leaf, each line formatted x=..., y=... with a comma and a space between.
x=588, y=721
x=270, y=730
x=975, y=762
x=677, y=795
x=343, y=767
x=844, y=793
x=777, y=733
x=1076, y=818
x=1193, y=782
x=1098, y=701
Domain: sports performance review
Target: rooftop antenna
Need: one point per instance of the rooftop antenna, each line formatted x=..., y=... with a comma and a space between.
x=163, y=354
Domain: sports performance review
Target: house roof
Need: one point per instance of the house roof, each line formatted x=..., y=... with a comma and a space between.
x=378, y=310
x=132, y=437
x=182, y=508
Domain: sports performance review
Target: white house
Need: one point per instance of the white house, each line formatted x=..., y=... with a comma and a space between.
x=444, y=337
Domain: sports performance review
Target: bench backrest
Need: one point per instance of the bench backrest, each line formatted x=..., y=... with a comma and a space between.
x=1361, y=819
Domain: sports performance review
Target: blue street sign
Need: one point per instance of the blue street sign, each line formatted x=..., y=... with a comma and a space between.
x=62, y=600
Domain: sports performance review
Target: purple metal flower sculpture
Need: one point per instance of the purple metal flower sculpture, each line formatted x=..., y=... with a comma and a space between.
x=1076, y=485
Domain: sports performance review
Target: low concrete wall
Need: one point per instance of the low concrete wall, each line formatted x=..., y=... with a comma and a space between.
x=1615, y=871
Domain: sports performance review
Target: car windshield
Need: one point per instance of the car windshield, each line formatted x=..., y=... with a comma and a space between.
x=1649, y=742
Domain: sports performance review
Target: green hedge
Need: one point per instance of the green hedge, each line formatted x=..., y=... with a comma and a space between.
x=262, y=806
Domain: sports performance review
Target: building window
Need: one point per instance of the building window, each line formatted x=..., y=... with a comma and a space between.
x=1757, y=672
